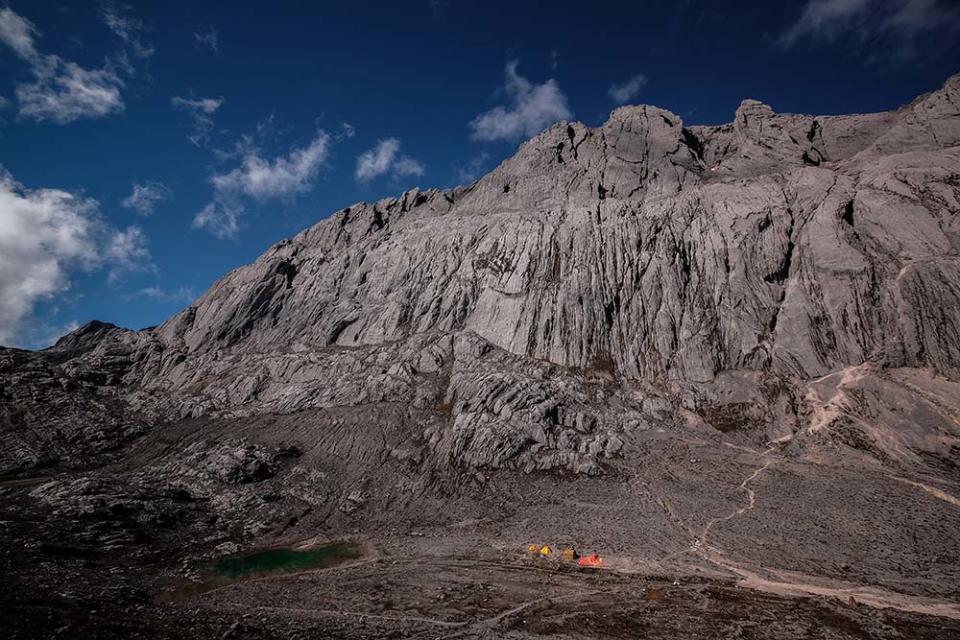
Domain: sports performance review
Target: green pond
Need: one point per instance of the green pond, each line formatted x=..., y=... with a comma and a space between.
x=287, y=560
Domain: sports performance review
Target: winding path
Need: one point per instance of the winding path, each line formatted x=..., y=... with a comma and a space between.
x=789, y=583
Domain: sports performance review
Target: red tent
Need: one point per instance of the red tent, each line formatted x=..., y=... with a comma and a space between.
x=592, y=560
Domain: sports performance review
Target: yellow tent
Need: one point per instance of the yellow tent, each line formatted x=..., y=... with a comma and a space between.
x=545, y=550
x=533, y=548
x=569, y=554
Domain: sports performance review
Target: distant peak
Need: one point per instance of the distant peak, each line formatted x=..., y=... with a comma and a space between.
x=645, y=111
x=753, y=108
x=84, y=336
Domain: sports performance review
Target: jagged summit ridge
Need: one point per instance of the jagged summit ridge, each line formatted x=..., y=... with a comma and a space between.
x=790, y=243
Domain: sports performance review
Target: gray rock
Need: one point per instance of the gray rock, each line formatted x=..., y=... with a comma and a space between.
x=598, y=282
x=792, y=244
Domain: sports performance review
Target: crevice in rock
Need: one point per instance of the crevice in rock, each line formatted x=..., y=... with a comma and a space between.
x=847, y=213
x=765, y=223
x=338, y=328
x=611, y=309
x=572, y=134
x=772, y=325
x=782, y=272
x=694, y=143
x=811, y=159
x=683, y=260
x=378, y=219
x=288, y=270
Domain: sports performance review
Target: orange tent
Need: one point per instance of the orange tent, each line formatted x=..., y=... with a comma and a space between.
x=592, y=560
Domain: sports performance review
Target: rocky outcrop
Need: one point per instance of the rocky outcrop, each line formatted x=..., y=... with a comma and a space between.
x=600, y=281
x=784, y=243
x=49, y=416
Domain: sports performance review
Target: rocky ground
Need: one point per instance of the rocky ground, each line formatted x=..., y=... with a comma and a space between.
x=703, y=536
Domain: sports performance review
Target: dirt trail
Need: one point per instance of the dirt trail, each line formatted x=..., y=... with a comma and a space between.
x=788, y=583
x=936, y=493
x=752, y=499
x=827, y=410
x=23, y=482
x=700, y=545
x=798, y=584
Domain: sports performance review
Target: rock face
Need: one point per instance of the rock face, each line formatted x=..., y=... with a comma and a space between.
x=791, y=244
x=567, y=296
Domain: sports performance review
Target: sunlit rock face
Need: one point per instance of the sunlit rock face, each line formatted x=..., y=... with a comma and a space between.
x=599, y=282
x=785, y=243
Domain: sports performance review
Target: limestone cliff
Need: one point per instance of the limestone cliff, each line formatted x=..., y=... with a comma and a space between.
x=599, y=283
x=784, y=243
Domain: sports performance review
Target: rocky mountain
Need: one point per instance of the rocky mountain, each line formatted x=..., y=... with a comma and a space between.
x=735, y=350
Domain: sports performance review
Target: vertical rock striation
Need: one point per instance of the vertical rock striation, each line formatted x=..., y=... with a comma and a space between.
x=600, y=281
x=785, y=243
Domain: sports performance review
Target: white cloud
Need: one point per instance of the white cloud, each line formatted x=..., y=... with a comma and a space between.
x=261, y=179
x=182, y=295
x=407, y=166
x=893, y=27
x=532, y=108
x=62, y=91
x=145, y=197
x=626, y=91
x=911, y=17
x=126, y=245
x=128, y=29
x=823, y=18
x=202, y=105
x=70, y=93
x=219, y=218
x=383, y=159
x=207, y=39
x=200, y=110
x=45, y=235
x=376, y=161
x=347, y=130
x=17, y=33
x=127, y=251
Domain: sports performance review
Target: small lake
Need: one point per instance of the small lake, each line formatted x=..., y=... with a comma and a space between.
x=286, y=560
x=261, y=564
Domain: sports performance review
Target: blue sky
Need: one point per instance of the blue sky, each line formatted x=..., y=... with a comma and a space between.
x=147, y=149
